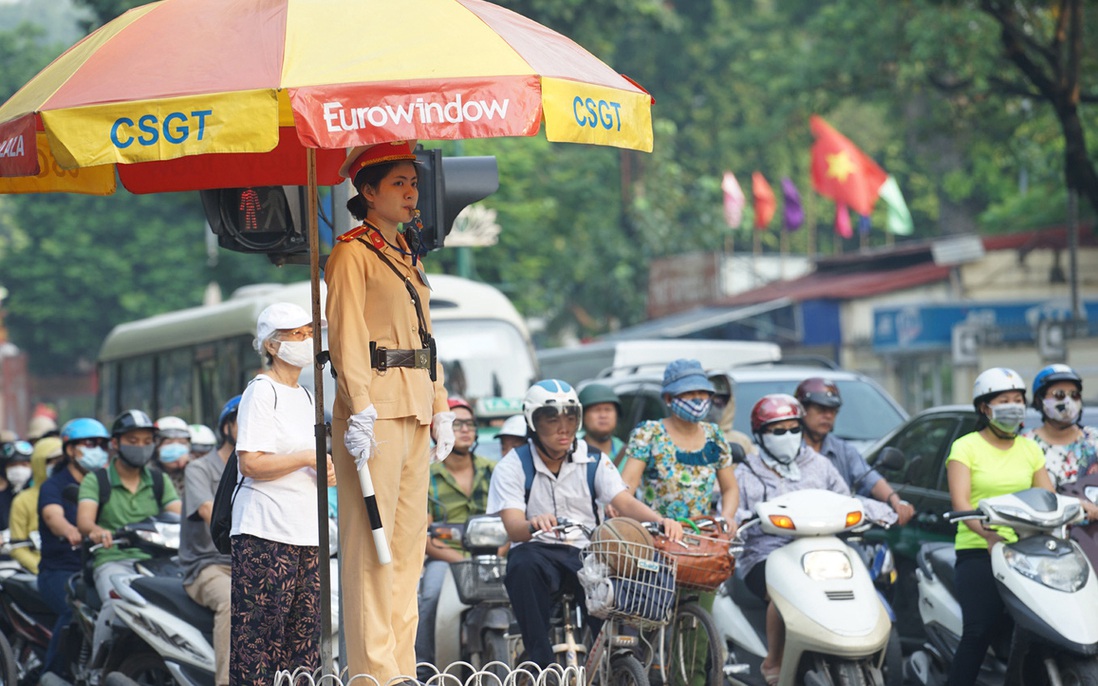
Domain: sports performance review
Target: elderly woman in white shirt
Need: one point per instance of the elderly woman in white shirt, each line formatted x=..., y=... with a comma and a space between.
x=275, y=581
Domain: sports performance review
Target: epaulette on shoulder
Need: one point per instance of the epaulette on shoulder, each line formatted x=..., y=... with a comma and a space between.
x=352, y=234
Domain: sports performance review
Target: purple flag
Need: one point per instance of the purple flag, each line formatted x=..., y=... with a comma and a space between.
x=792, y=213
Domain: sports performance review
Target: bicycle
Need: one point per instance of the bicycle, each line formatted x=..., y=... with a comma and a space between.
x=693, y=644
x=635, y=583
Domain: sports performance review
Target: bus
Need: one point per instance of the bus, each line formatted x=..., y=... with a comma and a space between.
x=187, y=363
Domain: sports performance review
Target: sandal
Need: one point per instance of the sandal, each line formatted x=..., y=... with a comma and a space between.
x=770, y=675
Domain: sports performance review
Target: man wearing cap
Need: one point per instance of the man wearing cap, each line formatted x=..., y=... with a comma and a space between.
x=512, y=434
x=601, y=412
x=459, y=490
x=390, y=392
x=821, y=400
x=24, y=509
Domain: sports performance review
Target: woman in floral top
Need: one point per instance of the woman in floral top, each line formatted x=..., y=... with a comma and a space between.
x=1071, y=450
x=682, y=458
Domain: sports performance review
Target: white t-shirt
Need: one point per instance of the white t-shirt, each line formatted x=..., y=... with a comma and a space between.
x=564, y=494
x=282, y=509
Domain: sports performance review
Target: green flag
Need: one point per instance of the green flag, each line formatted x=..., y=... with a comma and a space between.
x=899, y=217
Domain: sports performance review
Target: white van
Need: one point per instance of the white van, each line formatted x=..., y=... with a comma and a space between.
x=610, y=358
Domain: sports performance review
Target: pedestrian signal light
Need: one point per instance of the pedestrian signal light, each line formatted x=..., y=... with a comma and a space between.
x=262, y=219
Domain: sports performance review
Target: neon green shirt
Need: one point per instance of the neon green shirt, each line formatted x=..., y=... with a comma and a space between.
x=994, y=472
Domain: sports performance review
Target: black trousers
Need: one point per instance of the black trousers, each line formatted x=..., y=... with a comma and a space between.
x=982, y=612
x=535, y=573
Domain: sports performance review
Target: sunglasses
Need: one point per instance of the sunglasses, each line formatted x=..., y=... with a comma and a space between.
x=782, y=432
x=1061, y=394
x=92, y=442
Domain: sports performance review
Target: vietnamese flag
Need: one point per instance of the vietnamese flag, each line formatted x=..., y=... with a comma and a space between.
x=765, y=202
x=841, y=171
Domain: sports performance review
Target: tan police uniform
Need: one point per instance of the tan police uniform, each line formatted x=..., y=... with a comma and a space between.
x=368, y=302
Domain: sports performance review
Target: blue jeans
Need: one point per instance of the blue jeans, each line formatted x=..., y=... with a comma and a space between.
x=430, y=587
x=51, y=586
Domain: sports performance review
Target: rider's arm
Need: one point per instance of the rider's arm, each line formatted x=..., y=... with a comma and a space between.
x=633, y=472
x=519, y=529
x=1041, y=479
x=730, y=495
x=629, y=506
x=960, y=498
x=436, y=550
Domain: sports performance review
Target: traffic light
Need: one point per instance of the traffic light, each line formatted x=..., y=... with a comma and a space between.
x=262, y=219
x=458, y=181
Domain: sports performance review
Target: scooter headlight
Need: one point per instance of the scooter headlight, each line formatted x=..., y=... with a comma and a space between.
x=821, y=565
x=1067, y=573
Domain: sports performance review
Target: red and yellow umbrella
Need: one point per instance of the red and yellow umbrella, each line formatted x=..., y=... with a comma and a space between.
x=191, y=94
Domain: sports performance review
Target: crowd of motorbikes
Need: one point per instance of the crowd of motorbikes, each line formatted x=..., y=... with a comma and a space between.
x=832, y=586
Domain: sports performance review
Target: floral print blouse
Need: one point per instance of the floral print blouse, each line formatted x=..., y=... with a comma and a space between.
x=678, y=483
x=1071, y=461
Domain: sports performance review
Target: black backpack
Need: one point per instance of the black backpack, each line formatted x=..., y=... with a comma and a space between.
x=103, y=480
x=221, y=516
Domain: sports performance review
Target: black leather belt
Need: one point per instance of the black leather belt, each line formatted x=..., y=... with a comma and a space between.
x=383, y=358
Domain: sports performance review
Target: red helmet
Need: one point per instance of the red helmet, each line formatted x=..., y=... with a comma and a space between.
x=776, y=407
x=461, y=402
x=817, y=391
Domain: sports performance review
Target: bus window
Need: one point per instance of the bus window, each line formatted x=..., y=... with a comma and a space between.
x=173, y=383
x=136, y=384
x=108, y=386
x=492, y=355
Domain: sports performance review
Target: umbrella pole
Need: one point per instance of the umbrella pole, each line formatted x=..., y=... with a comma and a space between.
x=321, y=427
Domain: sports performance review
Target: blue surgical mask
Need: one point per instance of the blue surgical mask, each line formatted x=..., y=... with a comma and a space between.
x=92, y=459
x=173, y=452
x=691, y=410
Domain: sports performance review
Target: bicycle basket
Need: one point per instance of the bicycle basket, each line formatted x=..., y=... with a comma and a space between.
x=634, y=583
x=479, y=580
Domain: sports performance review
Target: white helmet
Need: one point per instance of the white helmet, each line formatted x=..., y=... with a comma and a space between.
x=172, y=427
x=551, y=393
x=514, y=426
x=994, y=381
x=202, y=436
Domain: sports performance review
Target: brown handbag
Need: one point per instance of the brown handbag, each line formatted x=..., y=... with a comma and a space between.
x=704, y=559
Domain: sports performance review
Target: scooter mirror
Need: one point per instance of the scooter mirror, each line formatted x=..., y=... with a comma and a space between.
x=738, y=455
x=891, y=458
x=1091, y=493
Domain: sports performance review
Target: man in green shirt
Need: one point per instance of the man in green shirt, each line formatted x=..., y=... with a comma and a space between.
x=132, y=497
x=459, y=490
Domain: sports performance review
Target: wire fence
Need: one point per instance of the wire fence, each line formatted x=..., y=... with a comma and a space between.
x=455, y=674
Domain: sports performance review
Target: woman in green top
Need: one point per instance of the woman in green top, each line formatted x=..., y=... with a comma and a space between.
x=993, y=460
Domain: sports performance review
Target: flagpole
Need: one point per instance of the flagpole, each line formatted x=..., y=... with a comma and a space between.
x=783, y=242
x=810, y=217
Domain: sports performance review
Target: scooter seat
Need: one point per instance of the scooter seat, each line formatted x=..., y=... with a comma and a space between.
x=168, y=594
x=23, y=589
x=939, y=561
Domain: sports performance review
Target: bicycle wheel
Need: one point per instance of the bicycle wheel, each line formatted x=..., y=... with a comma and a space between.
x=695, y=654
x=626, y=670
x=9, y=674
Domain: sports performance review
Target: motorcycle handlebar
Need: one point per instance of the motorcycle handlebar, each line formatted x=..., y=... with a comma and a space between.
x=960, y=515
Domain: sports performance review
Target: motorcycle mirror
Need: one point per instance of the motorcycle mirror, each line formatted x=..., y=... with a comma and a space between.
x=738, y=454
x=891, y=458
x=1091, y=493
x=71, y=493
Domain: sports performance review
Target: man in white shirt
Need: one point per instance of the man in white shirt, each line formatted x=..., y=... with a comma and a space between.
x=546, y=480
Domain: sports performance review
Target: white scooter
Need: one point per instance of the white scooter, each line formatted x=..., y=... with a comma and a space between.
x=1046, y=582
x=474, y=612
x=836, y=627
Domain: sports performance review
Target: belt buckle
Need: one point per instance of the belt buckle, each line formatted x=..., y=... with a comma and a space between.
x=422, y=358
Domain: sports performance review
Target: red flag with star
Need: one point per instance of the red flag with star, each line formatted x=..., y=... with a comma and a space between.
x=841, y=171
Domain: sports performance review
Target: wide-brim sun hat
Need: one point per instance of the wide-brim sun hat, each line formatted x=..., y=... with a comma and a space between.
x=684, y=376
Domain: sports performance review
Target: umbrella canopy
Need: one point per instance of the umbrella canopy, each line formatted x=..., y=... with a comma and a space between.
x=191, y=94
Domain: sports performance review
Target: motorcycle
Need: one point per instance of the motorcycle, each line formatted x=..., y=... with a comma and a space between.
x=1046, y=582
x=474, y=613
x=1086, y=535
x=25, y=619
x=837, y=628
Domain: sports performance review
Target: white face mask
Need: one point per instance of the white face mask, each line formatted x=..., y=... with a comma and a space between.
x=1066, y=410
x=19, y=476
x=783, y=448
x=1008, y=417
x=296, y=353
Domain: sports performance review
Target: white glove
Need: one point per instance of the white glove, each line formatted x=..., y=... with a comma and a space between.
x=359, y=438
x=444, y=435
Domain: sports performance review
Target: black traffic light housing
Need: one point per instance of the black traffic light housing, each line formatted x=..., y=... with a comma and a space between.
x=458, y=181
x=272, y=219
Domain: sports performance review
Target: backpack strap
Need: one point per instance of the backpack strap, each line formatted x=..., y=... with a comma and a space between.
x=274, y=389
x=526, y=458
x=158, y=486
x=103, y=480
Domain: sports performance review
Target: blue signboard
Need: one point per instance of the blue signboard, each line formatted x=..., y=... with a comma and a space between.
x=930, y=327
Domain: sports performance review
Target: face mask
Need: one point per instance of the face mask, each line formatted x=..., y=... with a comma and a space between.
x=296, y=353
x=18, y=477
x=1066, y=410
x=1008, y=417
x=691, y=410
x=173, y=452
x=136, y=455
x=782, y=448
x=92, y=459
